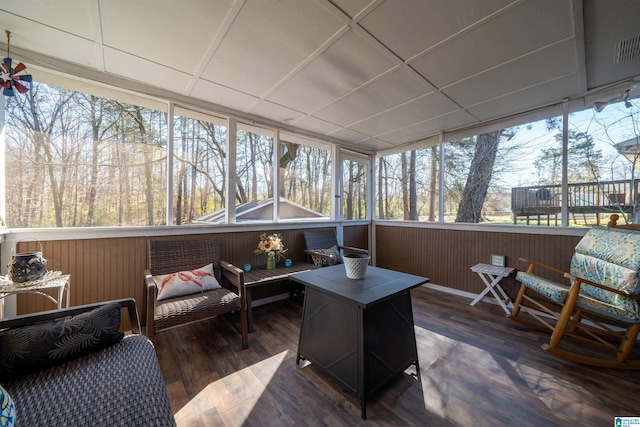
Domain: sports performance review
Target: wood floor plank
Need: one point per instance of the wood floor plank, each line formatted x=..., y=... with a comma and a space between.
x=477, y=368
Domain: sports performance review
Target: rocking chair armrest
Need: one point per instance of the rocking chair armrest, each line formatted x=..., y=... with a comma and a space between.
x=533, y=264
x=580, y=280
x=356, y=250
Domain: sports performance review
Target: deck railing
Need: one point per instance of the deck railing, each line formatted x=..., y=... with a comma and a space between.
x=584, y=198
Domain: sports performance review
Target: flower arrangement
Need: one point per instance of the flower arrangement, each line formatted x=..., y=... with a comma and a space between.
x=271, y=245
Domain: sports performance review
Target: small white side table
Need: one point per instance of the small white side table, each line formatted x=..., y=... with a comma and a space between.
x=51, y=280
x=491, y=276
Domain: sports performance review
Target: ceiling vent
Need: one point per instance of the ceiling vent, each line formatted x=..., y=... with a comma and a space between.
x=627, y=50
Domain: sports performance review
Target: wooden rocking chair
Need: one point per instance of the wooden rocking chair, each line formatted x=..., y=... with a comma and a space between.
x=599, y=306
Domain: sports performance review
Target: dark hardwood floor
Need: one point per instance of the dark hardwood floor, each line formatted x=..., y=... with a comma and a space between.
x=477, y=368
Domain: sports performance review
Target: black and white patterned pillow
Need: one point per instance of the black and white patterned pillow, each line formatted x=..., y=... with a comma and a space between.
x=35, y=347
x=323, y=262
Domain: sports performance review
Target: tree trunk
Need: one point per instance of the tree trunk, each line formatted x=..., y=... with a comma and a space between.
x=96, y=123
x=475, y=190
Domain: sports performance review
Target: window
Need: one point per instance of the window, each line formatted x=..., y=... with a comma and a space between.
x=199, y=148
x=603, y=163
x=254, y=171
x=73, y=159
x=354, y=189
x=97, y=156
x=305, y=179
x=496, y=177
x=408, y=185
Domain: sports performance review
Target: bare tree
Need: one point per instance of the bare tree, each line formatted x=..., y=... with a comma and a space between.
x=479, y=177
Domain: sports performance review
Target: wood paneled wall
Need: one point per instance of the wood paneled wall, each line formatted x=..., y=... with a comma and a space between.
x=446, y=255
x=109, y=268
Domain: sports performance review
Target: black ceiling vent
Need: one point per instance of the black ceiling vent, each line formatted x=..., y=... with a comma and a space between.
x=627, y=50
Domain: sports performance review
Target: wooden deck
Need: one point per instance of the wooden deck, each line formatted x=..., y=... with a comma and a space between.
x=478, y=368
x=588, y=198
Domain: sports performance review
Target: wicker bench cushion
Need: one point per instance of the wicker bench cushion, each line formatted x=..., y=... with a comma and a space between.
x=117, y=385
x=177, y=311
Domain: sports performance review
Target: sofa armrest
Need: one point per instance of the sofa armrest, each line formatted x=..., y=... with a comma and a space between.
x=233, y=275
x=29, y=319
x=151, y=291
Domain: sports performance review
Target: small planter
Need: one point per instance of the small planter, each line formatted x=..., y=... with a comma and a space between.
x=355, y=265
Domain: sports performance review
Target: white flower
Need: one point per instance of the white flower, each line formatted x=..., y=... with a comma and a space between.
x=271, y=245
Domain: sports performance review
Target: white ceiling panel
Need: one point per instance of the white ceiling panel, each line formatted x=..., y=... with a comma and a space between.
x=36, y=37
x=148, y=72
x=351, y=7
x=310, y=89
x=408, y=27
x=348, y=135
x=375, y=74
x=70, y=16
x=398, y=87
x=517, y=75
x=316, y=125
x=277, y=112
x=429, y=127
x=374, y=144
x=267, y=40
x=415, y=111
x=222, y=95
x=527, y=98
x=177, y=40
x=610, y=26
x=507, y=37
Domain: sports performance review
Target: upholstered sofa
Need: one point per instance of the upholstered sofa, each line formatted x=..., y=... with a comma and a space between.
x=73, y=367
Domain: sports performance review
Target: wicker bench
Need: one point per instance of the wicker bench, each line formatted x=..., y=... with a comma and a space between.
x=111, y=384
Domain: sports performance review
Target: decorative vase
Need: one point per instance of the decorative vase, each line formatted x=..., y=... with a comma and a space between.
x=271, y=262
x=27, y=266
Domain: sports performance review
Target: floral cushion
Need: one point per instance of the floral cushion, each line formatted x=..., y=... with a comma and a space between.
x=323, y=262
x=610, y=257
x=7, y=409
x=555, y=291
x=611, y=310
x=558, y=293
x=186, y=282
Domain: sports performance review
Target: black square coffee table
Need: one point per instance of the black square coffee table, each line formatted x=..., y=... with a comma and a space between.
x=360, y=332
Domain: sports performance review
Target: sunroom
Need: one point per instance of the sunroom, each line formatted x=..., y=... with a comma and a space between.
x=436, y=135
